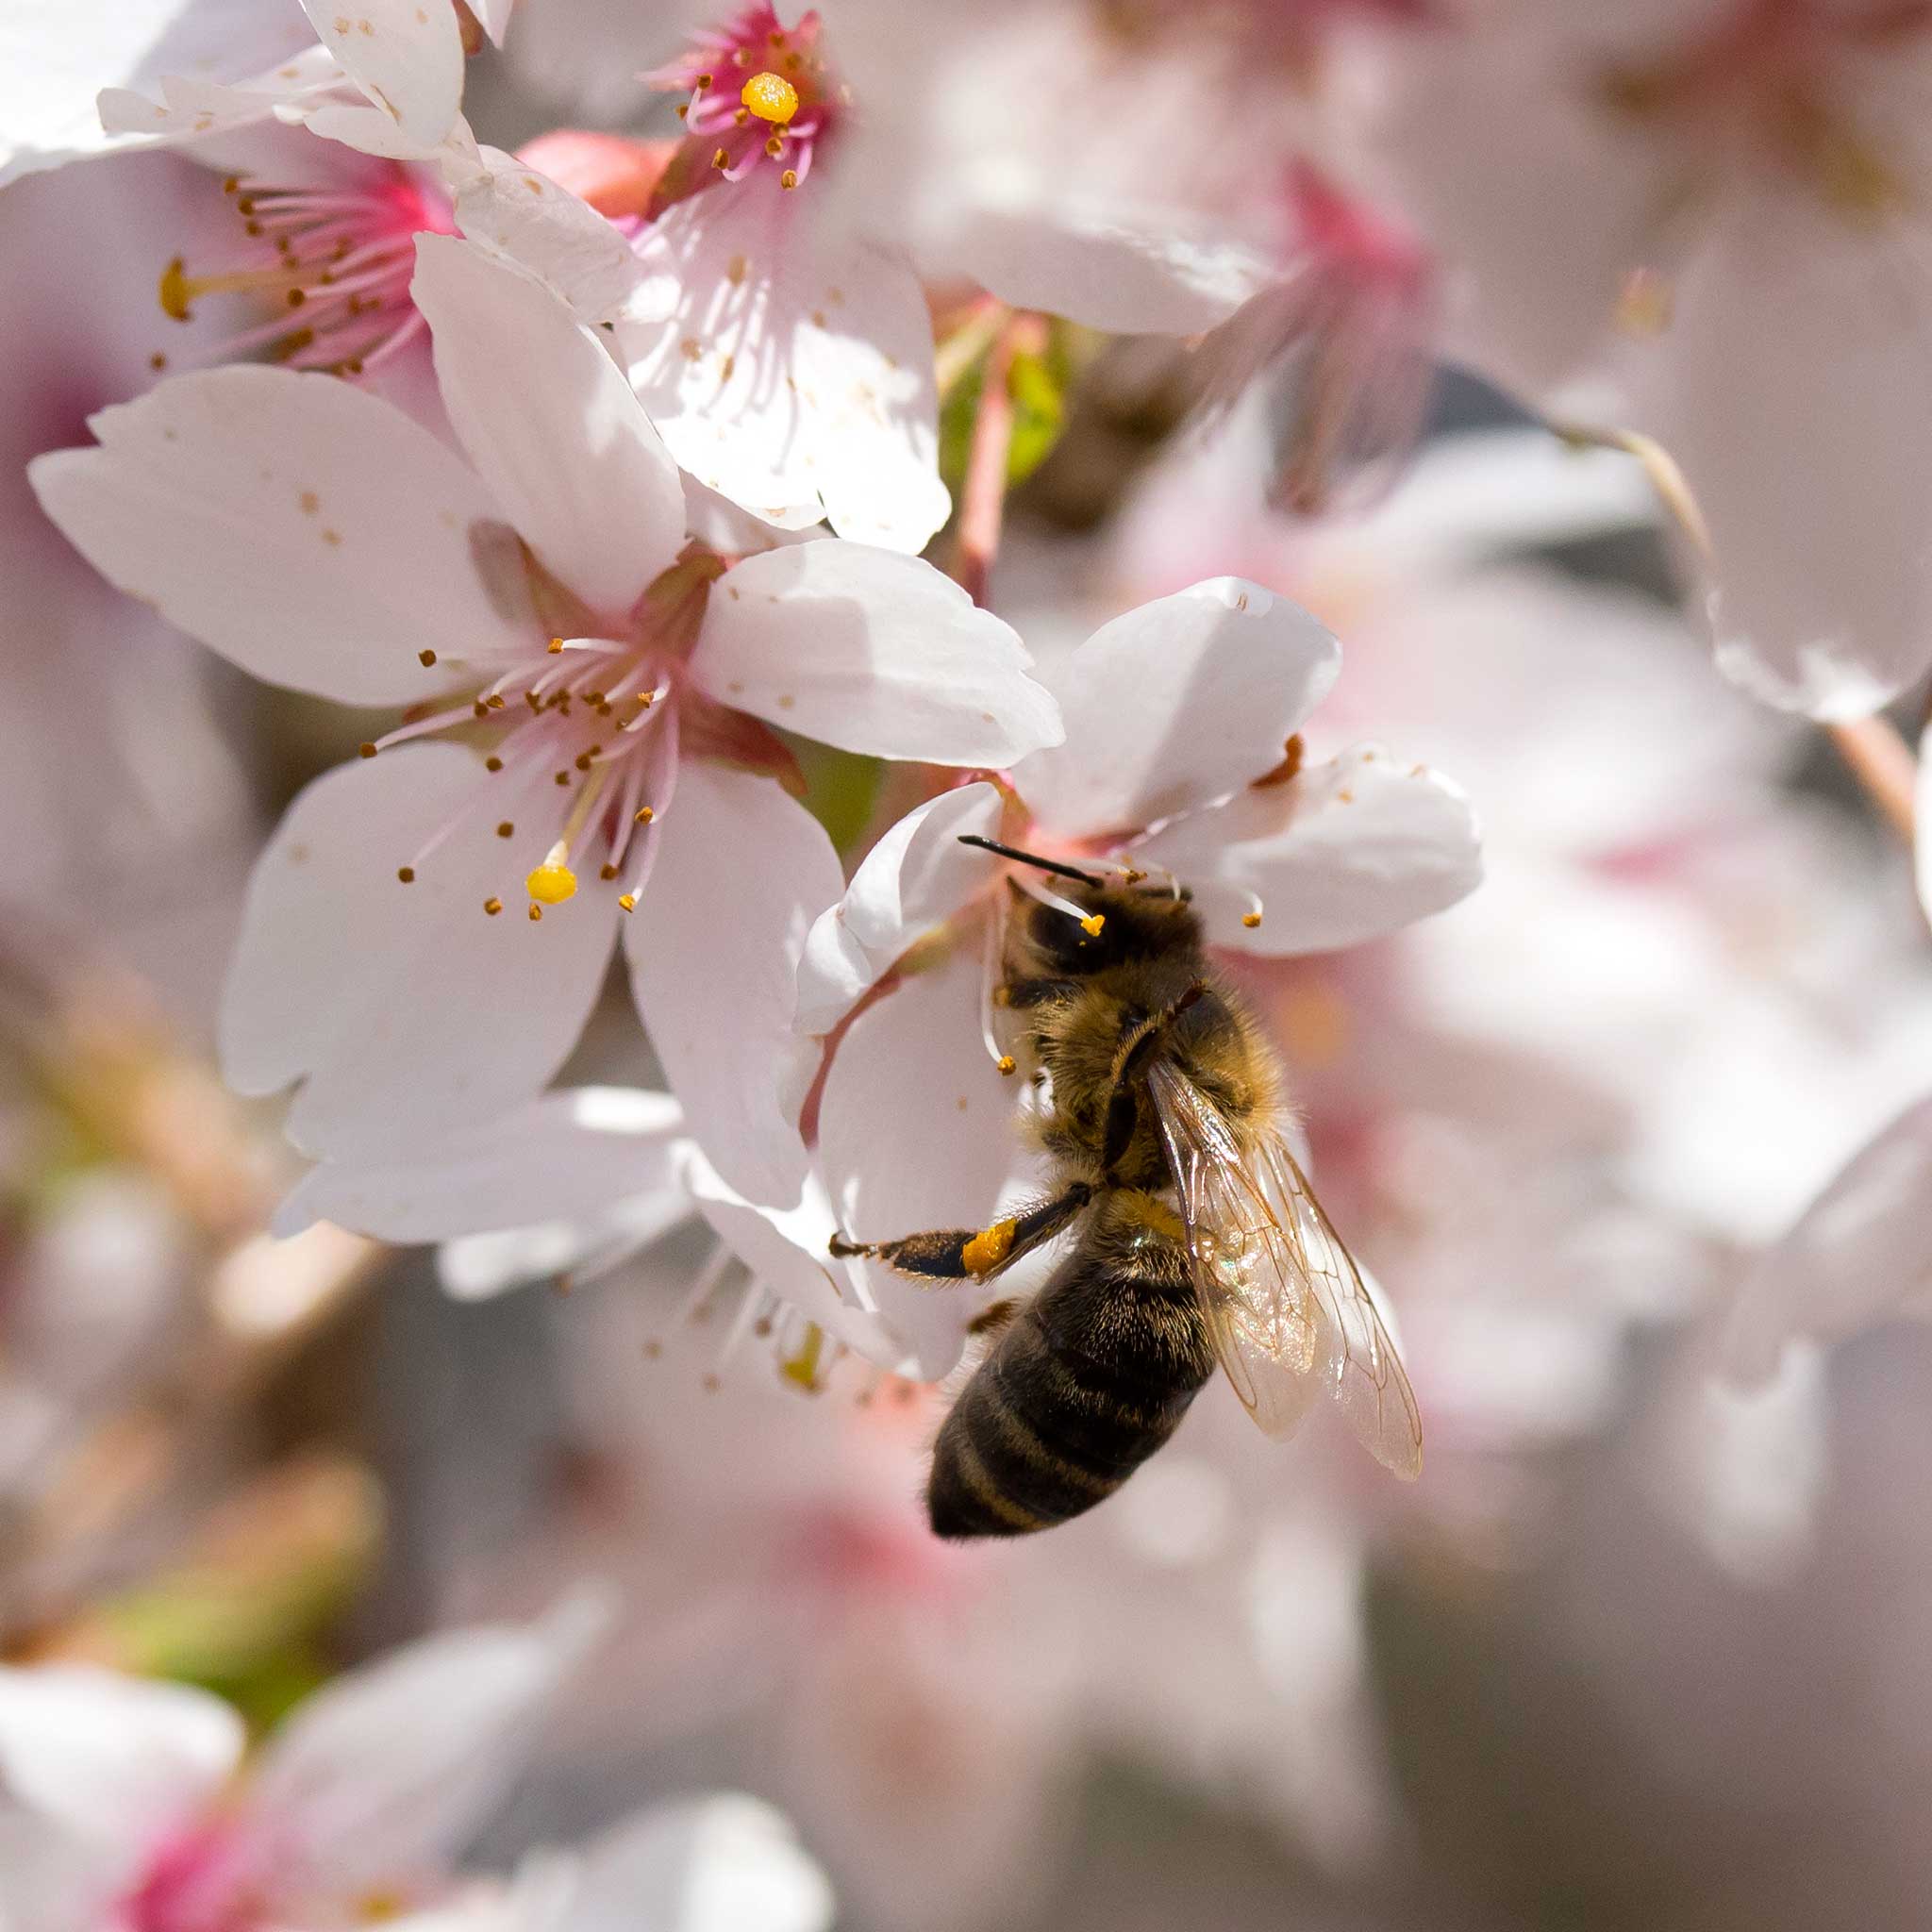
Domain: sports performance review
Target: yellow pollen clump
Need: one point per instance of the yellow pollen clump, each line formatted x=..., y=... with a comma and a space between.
x=987, y=1248
x=771, y=97
x=553, y=882
x=1092, y=924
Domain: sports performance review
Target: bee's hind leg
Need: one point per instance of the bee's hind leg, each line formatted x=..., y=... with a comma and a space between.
x=974, y=1254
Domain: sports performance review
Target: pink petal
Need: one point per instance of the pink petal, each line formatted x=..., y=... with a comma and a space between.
x=917, y=876
x=789, y=364
x=549, y=421
x=1350, y=851
x=919, y=1055
x=1182, y=701
x=313, y=534
x=740, y=872
x=407, y=1011
x=407, y=56
x=391, y=1769
x=570, y=1153
x=872, y=652
x=1856, y=1256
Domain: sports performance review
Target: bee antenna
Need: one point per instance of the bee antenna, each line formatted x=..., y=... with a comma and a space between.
x=1033, y=859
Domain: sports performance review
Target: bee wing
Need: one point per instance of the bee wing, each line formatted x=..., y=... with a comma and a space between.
x=1283, y=1299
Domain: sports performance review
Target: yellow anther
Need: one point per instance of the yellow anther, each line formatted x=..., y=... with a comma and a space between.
x=368, y=749
x=1005, y=1063
x=536, y=912
x=425, y=658
x=628, y=901
x=643, y=815
x=556, y=646
x=492, y=907
x=789, y=179
x=771, y=97
x=803, y=1368
x=989, y=1248
x=1251, y=920
x=553, y=882
x=1092, y=924
x=175, y=289
x=407, y=873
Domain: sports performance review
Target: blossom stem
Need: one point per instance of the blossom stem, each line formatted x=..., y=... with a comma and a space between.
x=1883, y=763
x=984, y=497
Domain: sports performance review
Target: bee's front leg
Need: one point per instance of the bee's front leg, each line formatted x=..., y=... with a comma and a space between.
x=977, y=1254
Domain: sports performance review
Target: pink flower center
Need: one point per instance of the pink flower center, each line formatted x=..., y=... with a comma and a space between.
x=332, y=264
x=1771, y=80
x=761, y=96
x=585, y=738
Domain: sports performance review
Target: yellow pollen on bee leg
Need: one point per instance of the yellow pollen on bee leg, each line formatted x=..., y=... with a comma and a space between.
x=989, y=1248
x=552, y=882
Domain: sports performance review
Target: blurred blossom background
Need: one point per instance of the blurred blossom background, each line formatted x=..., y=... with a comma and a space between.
x=1584, y=398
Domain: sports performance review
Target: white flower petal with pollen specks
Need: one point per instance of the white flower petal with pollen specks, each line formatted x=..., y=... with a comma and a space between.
x=510, y=207
x=1350, y=851
x=916, y=1131
x=313, y=535
x=740, y=872
x=392, y=1767
x=549, y=422
x=789, y=364
x=915, y=878
x=406, y=56
x=409, y=1012
x=717, y=1864
x=1182, y=701
x=872, y=652
x=104, y=1768
x=570, y=1153
x=1859, y=1255
x=57, y=57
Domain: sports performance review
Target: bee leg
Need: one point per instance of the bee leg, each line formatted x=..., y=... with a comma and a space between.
x=958, y=1253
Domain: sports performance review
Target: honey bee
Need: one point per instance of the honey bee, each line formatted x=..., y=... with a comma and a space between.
x=1200, y=1238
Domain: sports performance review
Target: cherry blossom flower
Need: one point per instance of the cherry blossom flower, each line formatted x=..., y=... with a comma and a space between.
x=129, y=1806
x=785, y=355
x=618, y=686
x=1701, y=224
x=1176, y=716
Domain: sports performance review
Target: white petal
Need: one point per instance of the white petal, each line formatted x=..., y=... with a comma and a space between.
x=396, y=1765
x=55, y=58
x=1858, y=1255
x=872, y=652
x=510, y=207
x=569, y=1154
x=916, y=875
x=1790, y=387
x=407, y=56
x=918, y=1055
x=1350, y=851
x=493, y=16
x=192, y=106
x=789, y=364
x=742, y=871
x=113, y=1763
x=1182, y=701
x=410, y=1012
x=786, y=1251
x=719, y=1864
x=549, y=421
x=311, y=533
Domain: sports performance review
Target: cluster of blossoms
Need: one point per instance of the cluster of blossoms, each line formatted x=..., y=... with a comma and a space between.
x=607, y=473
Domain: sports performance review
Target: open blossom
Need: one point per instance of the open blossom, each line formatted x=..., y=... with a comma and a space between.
x=129, y=1806
x=1706, y=223
x=1176, y=716
x=603, y=692
x=785, y=356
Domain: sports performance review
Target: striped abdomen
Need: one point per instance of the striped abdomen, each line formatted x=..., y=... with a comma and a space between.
x=1088, y=1382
